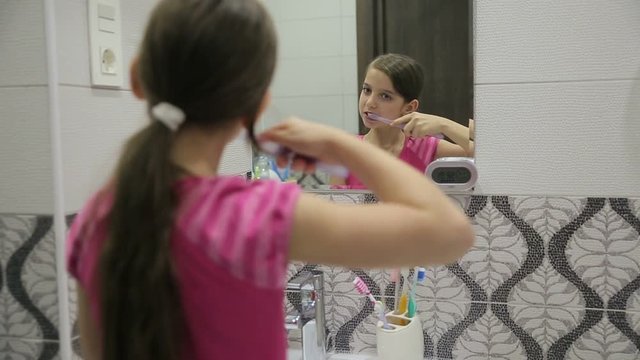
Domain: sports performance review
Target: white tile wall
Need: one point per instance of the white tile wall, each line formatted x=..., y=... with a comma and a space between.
x=95, y=122
x=94, y=125
x=308, y=9
x=308, y=76
x=559, y=138
x=22, y=43
x=310, y=38
x=25, y=160
x=348, y=8
x=26, y=183
x=558, y=97
x=570, y=40
x=317, y=67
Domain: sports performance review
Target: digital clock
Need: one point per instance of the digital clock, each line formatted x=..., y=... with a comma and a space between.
x=453, y=173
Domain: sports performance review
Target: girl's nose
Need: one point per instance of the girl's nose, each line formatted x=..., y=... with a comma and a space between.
x=370, y=103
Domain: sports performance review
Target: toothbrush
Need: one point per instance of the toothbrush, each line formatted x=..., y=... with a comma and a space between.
x=275, y=149
x=363, y=289
x=395, y=277
x=402, y=304
x=376, y=117
x=418, y=277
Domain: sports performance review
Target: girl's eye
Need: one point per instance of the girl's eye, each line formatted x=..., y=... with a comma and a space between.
x=366, y=90
x=386, y=96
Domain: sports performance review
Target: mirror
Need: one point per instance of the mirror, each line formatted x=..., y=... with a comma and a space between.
x=325, y=74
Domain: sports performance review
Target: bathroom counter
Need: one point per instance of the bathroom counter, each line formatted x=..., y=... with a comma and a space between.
x=296, y=354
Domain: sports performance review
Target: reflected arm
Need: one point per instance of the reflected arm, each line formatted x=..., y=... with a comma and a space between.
x=460, y=135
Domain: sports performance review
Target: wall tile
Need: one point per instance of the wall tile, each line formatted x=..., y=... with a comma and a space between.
x=544, y=217
x=22, y=43
x=348, y=7
x=308, y=77
x=25, y=151
x=350, y=115
x=522, y=130
x=323, y=109
x=308, y=9
x=499, y=249
x=19, y=349
x=350, y=84
x=349, y=36
x=310, y=37
x=605, y=252
x=89, y=159
x=545, y=325
x=30, y=304
x=603, y=340
x=573, y=40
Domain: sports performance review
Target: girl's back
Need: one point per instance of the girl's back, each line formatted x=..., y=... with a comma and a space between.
x=229, y=246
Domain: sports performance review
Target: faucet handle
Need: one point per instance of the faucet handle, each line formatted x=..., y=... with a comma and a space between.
x=297, y=283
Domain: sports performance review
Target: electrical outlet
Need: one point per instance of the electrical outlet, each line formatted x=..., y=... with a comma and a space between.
x=105, y=37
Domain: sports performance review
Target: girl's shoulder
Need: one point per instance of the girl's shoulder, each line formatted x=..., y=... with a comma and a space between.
x=244, y=225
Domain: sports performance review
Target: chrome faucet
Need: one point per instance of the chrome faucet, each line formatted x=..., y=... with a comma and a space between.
x=311, y=318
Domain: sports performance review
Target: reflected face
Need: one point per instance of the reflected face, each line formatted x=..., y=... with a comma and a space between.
x=379, y=96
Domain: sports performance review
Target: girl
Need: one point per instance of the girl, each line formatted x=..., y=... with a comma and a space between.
x=174, y=261
x=390, y=90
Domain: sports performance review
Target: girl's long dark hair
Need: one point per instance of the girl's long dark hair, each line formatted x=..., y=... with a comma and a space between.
x=213, y=59
x=405, y=73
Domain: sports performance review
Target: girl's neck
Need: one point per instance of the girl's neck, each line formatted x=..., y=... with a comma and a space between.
x=198, y=151
x=388, y=138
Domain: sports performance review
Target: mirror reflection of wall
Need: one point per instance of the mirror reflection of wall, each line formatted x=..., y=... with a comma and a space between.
x=316, y=76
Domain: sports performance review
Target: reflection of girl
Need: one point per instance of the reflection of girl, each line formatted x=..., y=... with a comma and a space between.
x=390, y=90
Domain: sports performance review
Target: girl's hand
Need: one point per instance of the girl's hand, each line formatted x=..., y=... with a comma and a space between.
x=308, y=140
x=420, y=125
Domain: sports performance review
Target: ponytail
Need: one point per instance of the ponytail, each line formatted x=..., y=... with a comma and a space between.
x=141, y=312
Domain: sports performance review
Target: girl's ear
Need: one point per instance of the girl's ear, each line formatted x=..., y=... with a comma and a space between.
x=134, y=78
x=411, y=106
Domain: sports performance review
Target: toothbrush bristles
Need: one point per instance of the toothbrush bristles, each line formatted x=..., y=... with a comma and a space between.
x=362, y=288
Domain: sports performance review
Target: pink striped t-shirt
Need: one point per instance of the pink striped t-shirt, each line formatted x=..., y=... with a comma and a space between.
x=230, y=244
x=417, y=152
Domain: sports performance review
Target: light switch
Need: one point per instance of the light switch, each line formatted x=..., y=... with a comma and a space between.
x=107, y=25
x=105, y=37
x=106, y=11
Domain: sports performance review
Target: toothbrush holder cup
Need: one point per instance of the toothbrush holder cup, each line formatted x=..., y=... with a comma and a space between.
x=404, y=341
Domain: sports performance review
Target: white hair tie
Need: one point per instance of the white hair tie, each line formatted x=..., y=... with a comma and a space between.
x=170, y=115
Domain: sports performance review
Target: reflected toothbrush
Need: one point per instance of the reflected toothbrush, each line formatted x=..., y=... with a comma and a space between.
x=363, y=289
x=376, y=117
x=418, y=277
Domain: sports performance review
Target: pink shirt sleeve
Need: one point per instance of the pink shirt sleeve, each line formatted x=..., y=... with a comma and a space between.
x=429, y=149
x=246, y=227
x=74, y=242
x=84, y=237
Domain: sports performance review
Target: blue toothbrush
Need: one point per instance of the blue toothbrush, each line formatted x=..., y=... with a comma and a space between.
x=418, y=277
